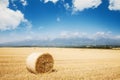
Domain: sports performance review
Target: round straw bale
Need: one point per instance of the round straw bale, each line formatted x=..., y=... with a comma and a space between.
x=40, y=63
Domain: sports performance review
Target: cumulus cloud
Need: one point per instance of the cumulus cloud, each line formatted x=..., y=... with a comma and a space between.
x=114, y=5
x=54, y=1
x=10, y=19
x=80, y=5
x=24, y=2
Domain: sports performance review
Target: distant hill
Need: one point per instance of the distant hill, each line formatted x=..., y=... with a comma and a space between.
x=74, y=42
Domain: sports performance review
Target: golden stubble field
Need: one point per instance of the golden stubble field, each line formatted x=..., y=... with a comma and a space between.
x=70, y=64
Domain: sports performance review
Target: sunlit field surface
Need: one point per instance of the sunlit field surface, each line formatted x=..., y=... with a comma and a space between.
x=70, y=64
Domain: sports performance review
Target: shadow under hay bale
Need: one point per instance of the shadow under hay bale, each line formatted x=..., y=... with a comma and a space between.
x=40, y=63
x=53, y=70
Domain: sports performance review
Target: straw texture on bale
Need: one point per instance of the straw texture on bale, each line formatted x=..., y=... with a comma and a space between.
x=39, y=63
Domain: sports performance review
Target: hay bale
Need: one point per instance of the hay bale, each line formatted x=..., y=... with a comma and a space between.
x=40, y=63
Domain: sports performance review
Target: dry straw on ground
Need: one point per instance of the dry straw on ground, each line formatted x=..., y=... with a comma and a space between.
x=40, y=63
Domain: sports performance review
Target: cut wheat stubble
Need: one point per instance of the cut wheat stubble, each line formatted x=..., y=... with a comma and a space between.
x=40, y=63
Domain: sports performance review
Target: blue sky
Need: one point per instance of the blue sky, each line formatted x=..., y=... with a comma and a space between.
x=50, y=19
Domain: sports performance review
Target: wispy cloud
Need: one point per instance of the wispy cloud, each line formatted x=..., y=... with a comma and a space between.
x=58, y=19
x=24, y=2
x=102, y=35
x=68, y=34
x=97, y=35
x=67, y=6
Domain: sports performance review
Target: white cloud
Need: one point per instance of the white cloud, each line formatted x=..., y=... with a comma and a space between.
x=40, y=27
x=114, y=4
x=98, y=35
x=33, y=35
x=54, y=1
x=24, y=2
x=10, y=19
x=80, y=5
x=67, y=34
x=117, y=37
x=4, y=3
x=27, y=25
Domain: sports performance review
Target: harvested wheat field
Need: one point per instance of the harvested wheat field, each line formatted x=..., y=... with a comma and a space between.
x=69, y=64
